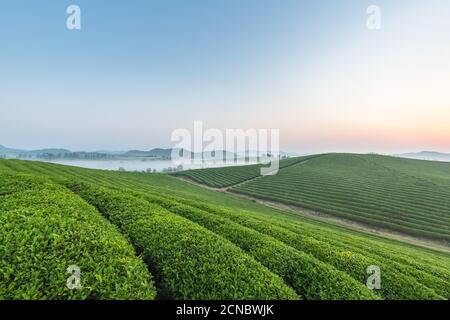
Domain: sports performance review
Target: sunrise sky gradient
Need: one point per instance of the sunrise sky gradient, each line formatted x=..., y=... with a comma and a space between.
x=140, y=69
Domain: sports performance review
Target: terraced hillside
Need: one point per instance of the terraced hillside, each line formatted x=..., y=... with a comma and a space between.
x=152, y=235
x=230, y=176
x=408, y=196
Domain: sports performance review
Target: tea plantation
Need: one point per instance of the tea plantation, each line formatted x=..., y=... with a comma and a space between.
x=229, y=176
x=153, y=236
x=402, y=195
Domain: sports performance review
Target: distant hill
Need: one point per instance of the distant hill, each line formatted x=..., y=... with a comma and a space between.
x=167, y=153
x=48, y=151
x=154, y=153
x=5, y=149
x=427, y=155
x=404, y=195
x=8, y=151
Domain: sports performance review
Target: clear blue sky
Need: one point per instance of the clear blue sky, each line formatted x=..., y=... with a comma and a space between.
x=137, y=70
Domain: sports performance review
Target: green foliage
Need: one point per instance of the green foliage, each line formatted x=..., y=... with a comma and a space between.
x=189, y=261
x=229, y=176
x=408, y=196
x=311, y=278
x=407, y=272
x=397, y=284
x=44, y=229
x=205, y=244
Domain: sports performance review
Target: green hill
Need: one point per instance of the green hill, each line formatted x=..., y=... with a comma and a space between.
x=233, y=175
x=409, y=196
x=195, y=243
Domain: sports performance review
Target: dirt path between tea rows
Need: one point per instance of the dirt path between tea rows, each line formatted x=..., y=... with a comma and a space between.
x=323, y=217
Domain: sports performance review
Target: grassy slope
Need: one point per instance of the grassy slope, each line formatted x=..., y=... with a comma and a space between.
x=229, y=176
x=408, y=196
x=423, y=273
